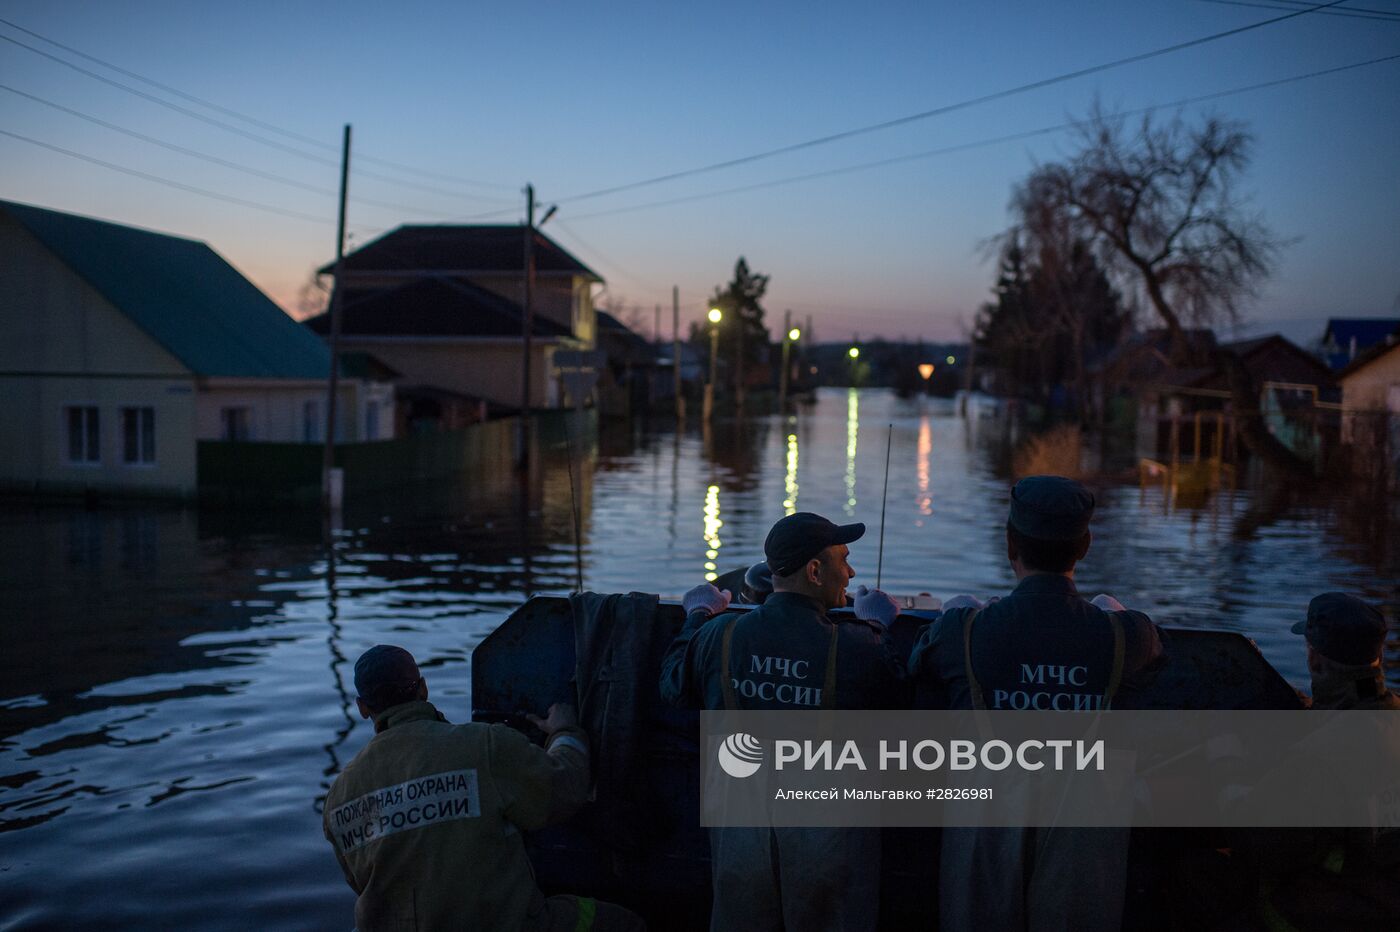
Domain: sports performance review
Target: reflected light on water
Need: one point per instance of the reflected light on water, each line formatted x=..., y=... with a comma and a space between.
x=852, y=431
x=712, y=526
x=790, y=483
x=925, y=448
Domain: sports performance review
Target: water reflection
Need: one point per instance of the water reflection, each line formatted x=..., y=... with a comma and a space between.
x=924, y=501
x=790, y=480
x=852, y=436
x=711, y=532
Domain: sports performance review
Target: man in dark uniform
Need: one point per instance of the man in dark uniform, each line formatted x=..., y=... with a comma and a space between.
x=1042, y=647
x=787, y=654
x=1345, y=638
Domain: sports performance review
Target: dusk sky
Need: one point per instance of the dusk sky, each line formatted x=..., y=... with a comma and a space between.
x=480, y=98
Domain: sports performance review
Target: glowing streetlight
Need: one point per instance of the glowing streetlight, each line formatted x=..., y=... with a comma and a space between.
x=951, y=360
x=926, y=370
x=792, y=335
x=853, y=352
x=715, y=315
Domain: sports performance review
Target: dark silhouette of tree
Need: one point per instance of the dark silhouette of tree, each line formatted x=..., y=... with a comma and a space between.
x=1157, y=204
x=743, y=337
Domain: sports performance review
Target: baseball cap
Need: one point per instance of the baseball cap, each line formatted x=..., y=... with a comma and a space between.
x=384, y=669
x=1343, y=628
x=799, y=537
x=1051, y=508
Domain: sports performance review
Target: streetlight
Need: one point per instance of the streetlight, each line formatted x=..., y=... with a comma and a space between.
x=951, y=360
x=854, y=356
x=715, y=315
x=792, y=337
x=926, y=373
x=853, y=352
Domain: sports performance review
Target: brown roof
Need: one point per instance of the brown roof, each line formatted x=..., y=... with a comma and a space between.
x=461, y=249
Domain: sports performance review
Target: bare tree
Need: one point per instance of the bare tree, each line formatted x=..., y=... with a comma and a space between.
x=313, y=297
x=1159, y=206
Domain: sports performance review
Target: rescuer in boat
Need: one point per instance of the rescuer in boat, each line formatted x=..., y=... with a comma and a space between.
x=1336, y=878
x=787, y=654
x=1041, y=647
x=426, y=820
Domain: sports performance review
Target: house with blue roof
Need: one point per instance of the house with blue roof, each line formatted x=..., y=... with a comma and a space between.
x=1347, y=338
x=121, y=349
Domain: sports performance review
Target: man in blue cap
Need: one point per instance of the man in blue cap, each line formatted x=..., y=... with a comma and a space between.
x=1345, y=638
x=788, y=654
x=426, y=820
x=1041, y=647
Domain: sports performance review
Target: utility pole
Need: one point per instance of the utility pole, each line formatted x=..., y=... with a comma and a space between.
x=331, y=497
x=676, y=349
x=656, y=327
x=522, y=450
x=787, y=364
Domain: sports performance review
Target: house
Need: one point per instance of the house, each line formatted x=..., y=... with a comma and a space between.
x=1371, y=400
x=443, y=305
x=1346, y=338
x=122, y=348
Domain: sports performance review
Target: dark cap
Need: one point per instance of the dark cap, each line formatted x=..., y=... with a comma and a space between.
x=799, y=537
x=1343, y=628
x=1051, y=508
x=385, y=670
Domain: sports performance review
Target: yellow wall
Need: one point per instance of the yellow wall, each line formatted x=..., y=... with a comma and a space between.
x=489, y=370
x=1368, y=387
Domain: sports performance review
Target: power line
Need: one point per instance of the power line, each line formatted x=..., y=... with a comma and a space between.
x=261, y=124
x=166, y=181
x=216, y=160
x=946, y=109
x=1347, y=11
x=228, y=127
x=945, y=150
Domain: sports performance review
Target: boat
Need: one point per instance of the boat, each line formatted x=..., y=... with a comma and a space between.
x=646, y=850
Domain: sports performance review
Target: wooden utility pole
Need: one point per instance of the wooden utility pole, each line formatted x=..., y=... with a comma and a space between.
x=787, y=363
x=330, y=498
x=522, y=450
x=676, y=348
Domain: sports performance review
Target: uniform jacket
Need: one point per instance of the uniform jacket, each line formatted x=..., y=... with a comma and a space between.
x=1042, y=647
x=779, y=654
x=426, y=820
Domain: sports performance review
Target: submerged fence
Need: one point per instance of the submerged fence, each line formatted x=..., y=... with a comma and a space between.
x=277, y=474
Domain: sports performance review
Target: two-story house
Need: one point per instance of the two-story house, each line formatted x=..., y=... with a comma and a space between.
x=442, y=305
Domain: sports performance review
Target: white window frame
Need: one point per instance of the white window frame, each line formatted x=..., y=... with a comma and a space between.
x=91, y=453
x=145, y=431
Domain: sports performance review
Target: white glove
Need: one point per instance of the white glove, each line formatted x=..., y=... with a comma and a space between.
x=1106, y=602
x=706, y=596
x=874, y=605
x=962, y=601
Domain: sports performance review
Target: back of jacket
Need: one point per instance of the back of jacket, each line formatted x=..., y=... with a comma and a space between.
x=779, y=658
x=1042, y=647
x=426, y=820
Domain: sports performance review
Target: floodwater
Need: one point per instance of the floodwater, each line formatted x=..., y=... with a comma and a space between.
x=175, y=686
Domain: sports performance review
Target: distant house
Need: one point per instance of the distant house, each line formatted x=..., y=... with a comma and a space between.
x=1371, y=401
x=121, y=348
x=1347, y=338
x=443, y=305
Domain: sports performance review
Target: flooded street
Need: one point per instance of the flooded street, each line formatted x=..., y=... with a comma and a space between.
x=175, y=687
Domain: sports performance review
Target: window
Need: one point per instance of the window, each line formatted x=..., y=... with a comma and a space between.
x=311, y=422
x=84, y=435
x=372, y=420
x=138, y=435
x=234, y=422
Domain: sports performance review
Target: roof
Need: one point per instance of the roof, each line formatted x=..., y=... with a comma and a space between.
x=461, y=249
x=1366, y=331
x=182, y=294
x=433, y=307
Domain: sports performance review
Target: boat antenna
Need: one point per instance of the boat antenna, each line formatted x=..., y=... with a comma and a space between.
x=885, y=497
x=573, y=504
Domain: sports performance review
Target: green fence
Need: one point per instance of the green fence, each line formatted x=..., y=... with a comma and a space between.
x=278, y=474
